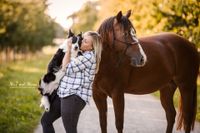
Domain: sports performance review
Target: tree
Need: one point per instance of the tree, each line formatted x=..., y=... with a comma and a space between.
x=181, y=17
x=85, y=18
x=24, y=26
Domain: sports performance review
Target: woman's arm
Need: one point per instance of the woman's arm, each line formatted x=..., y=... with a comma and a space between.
x=66, y=58
x=80, y=63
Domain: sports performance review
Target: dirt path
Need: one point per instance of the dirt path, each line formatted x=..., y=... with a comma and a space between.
x=143, y=114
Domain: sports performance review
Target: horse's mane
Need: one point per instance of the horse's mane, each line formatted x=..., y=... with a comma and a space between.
x=107, y=26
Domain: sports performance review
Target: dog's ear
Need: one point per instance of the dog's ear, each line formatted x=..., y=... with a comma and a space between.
x=80, y=38
x=80, y=34
x=70, y=33
x=49, y=77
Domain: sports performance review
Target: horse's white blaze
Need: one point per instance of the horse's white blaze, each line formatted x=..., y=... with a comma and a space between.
x=132, y=32
x=142, y=53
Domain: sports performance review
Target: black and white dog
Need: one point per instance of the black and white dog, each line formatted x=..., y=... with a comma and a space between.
x=49, y=83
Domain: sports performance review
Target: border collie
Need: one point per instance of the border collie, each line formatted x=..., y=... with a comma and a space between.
x=49, y=83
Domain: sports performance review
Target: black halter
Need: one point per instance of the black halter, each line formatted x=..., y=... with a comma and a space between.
x=128, y=44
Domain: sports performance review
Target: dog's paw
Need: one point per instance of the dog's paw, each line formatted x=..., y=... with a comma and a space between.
x=45, y=103
x=46, y=107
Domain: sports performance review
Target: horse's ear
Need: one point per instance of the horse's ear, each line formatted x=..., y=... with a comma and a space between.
x=128, y=14
x=70, y=33
x=119, y=16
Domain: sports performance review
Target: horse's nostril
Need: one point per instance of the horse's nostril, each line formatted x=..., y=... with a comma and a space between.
x=142, y=60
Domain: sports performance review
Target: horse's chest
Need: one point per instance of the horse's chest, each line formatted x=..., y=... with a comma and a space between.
x=111, y=81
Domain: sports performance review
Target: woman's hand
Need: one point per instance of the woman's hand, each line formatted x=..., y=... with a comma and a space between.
x=69, y=44
x=66, y=58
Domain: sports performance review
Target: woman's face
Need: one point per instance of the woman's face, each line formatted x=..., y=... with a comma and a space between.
x=87, y=43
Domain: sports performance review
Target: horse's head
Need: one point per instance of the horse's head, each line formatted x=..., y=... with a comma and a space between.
x=120, y=34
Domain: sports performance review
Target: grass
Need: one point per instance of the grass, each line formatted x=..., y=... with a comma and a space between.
x=177, y=95
x=19, y=98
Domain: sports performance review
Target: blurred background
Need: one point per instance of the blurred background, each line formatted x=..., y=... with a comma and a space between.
x=31, y=30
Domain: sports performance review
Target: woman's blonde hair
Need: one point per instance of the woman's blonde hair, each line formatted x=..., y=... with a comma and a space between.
x=97, y=45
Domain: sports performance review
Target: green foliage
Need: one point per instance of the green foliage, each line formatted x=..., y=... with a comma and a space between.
x=85, y=18
x=182, y=17
x=19, y=97
x=24, y=25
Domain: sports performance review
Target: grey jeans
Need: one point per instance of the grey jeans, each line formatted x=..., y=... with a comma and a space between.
x=71, y=108
x=68, y=108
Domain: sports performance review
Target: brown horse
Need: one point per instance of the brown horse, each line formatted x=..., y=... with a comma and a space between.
x=140, y=66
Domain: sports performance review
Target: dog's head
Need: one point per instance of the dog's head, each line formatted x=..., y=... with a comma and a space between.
x=76, y=44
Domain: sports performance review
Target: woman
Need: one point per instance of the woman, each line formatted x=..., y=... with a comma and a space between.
x=75, y=88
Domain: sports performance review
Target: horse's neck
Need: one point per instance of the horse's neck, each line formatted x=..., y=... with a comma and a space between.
x=109, y=58
x=112, y=62
x=110, y=72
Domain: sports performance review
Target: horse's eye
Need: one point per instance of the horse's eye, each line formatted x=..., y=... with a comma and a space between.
x=125, y=34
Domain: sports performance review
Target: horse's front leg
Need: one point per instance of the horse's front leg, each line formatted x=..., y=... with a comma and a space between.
x=100, y=100
x=118, y=102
